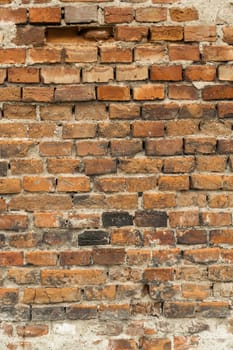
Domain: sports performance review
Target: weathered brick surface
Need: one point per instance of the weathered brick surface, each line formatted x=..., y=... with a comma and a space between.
x=116, y=185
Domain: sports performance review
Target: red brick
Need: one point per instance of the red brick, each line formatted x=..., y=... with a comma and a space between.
x=19, y=111
x=140, y=165
x=13, y=222
x=38, y=184
x=182, y=127
x=217, y=53
x=218, y=92
x=125, y=147
x=59, y=166
x=148, y=129
x=30, y=35
x=158, y=200
x=79, y=130
x=40, y=202
x=41, y=258
x=73, y=184
x=11, y=258
x=82, y=258
x=56, y=112
x=182, y=92
x=75, y=93
x=179, y=165
x=45, y=15
x=118, y=14
x=164, y=147
x=131, y=33
x=205, y=145
x=44, y=55
x=38, y=94
x=173, y=183
x=149, y=53
x=184, y=218
x=158, y=275
x=121, y=129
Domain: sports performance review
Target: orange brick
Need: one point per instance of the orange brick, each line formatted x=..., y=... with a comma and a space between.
x=218, y=92
x=182, y=127
x=32, y=331
x=199, y=73
x=150, y=14
x=149, y=53
x=13, y=130
x=41, y=258
x=183, y=14
x=149, y=92
x=10, y=93
x=183, y=52
x=200, y=33
x=97, y=74
x=12, y=56
x=55, y=148
x=49, y=220
x=70, y=277
x=11, y=258
x=228, y=34
x=158, y=274
x=59, y=166
x=225, y=72
x=168, y=33
x=10, y=185
x=38, y=94
x=173, y=183
x=148, y=129
x=18, y=16
x=131, y=72
x=206, y=182
x=182, y=92
x=217, y=53
x=72, y=184
x=81, y=54
x=172, y=73
x=100, y=166
x=158, y=200
x=50, y=295
x=19, y=111
x=23, y=75
x=60, y=75
x=113, y=93
x=184, y=218
x=114, y=54
x=45, y=15
x=44, y=55
x=75, y=93
x=79, y=130
x=38, y=184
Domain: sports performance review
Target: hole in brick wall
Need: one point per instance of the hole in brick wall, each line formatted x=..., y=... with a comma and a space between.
x=78, y=34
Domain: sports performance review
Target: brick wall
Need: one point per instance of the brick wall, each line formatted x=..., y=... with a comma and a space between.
x=116, y=175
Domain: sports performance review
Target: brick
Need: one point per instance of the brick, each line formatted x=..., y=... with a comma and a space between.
x=131, y=33
x=51, y=313
x=93, y=237
x=214, y=163
x=46, y=220
x=97, y=74
x=82, y=258
x=228, y=34
x=183, y=52
x=154, y=275
x=56, y=148
x=114, y=312
x=81, y=54
x=217, y=53
x=117, y=219
x=122, y=344
x=13, y=130
x=38, y=184
x=183, y=14
x=165, y=147
x=182, y=92
x=200, y=73
x=29, y=35
x=150, y=14
x=205, y=145
x=100, y=166
x=2, y=75
x=12, y=56
x=125, y=147
x=121, y=129
x=148, y=129
x=179, y=165
x=82, y=220
x=23, y=75
x=191, y=236
x=200, y=33
x=70, y=277
x=41, y=258
x=184, y=218
x=92, y=148
x=150, y=218
x=32, y=330
x=214, y=309
x=19, y=111
x=131, y=73
x=59, y=166
x=113, y=93
x=221, y=236
x=75, y=93
x=11, y=149
x=23, y=276
x=225, y=72
x=56, y=112
x=179, y=309
x=10, y=93
x=149, y=92
x=40, y=202
x=123, y=111
x=195, y=292
x=60, y=75
x=81, y=312
x=217, y=92
x=79, y=130
x=180, y=342
x=158, y=200
x=173, y=183
x=73, y=184
x=197, y=110
x=9, y=296
x=140, y=165
x=38, y=94
x=82, y=14
x=168, y=33
x=18, y=16
x=149, y=53
x=118, y=14
x=172, y=73
x=156, y=344
x=182, y=127
x=26, y=166
x=91, y=111
x=125, y=236
x=8, y=186
x=11, y=258
x=206, y=182
x=216, y=219
x=45, y=15
x=108, y=256
x=44, y=55
x=160, y=110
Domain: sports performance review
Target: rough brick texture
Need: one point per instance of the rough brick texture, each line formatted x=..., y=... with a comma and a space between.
x=116, y=185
